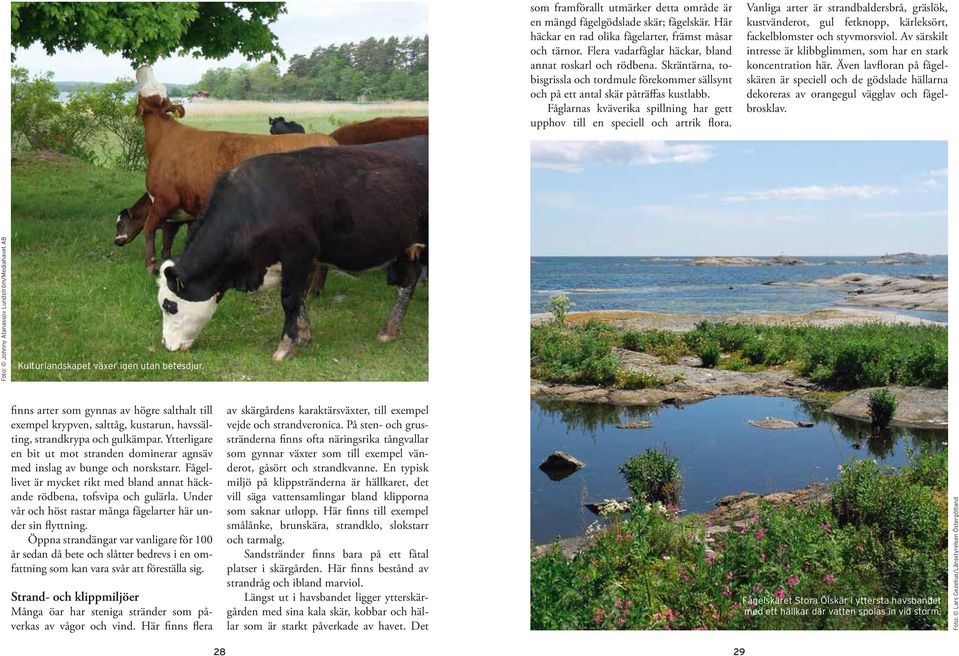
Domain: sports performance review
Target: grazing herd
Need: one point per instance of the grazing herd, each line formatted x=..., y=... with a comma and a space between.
x=276, y=209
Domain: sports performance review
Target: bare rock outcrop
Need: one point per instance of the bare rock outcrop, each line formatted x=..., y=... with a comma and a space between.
x=929, y=293
x=918, y=407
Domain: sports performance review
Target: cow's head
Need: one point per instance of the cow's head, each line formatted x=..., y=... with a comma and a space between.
x=152, y=96
x=130, y=221
x=278, y=119
x=182, y=319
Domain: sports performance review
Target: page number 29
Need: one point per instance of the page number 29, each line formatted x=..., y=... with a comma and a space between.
x=739, y=651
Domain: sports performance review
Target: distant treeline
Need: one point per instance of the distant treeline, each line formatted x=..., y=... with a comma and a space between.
x=373, y=69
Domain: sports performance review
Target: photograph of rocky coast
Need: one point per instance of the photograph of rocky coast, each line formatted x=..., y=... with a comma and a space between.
x=738, y=385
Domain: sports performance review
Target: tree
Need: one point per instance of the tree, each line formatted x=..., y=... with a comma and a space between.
x=146, y=31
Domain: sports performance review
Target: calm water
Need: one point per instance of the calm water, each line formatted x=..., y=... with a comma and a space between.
x=674, y=285
x=718, y=452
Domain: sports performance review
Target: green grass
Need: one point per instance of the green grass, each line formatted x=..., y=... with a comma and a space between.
x=883, y=536
x=77, y=298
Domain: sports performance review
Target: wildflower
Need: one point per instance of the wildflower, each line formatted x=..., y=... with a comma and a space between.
x=618, y=603
x=666, y=558
x=752, y=603
x=720, y=545
x=762, y=556
x=780, y=594
x=829, y=578
x=710, y=558
x=597, y=620
x=792, y=581
x=702, y=628
x=824, y=526
x=670, y=614
x=727, y=592
x=760, y=534
x=658, y=618
x=622, y=621
x=757, y=588
x=729, y=575
x=666, y=627
x=709, y=523
x=629, y=603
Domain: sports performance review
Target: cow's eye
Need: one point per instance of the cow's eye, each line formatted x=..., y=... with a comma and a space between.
x=169, y=306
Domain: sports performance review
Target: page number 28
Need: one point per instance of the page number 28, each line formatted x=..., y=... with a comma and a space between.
x=219, y=651
x=739, y=651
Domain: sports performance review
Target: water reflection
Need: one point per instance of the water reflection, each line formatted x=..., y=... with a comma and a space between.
x=718, y=452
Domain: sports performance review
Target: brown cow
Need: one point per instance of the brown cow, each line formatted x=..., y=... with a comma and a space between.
x=185, y=162
x=387, y=128
x=131, y=219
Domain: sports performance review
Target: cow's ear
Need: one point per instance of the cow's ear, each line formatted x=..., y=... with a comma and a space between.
x=174, y=281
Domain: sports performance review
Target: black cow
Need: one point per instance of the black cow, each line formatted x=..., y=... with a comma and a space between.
x=355, y=207
x=280, y=125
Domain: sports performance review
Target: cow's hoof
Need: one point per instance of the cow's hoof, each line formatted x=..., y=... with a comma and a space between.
x=386, y=337
x=303, y=338
x=285, y=350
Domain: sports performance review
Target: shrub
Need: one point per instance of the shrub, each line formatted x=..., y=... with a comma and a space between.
x=33, y=107
x=558, y=305
x=709, y=353
x=93, y=124
x=38, y=116
x=573, y=354
x=662, y=343
x=882, y=409
x=927, y=365
x=892, y=505
x=930, y=469
x=654, y=476
x=119, y=129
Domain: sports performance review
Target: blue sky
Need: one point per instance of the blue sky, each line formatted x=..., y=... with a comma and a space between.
x=738, y=198
x=304, y=26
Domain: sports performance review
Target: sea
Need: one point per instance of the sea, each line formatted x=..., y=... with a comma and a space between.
x=675, y=285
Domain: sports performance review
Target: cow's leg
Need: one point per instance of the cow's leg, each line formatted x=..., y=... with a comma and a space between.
x=170, y=228
x=296, y=274
x=158, y=214
x=304, y=330
x=407, y=275
x=318, y=282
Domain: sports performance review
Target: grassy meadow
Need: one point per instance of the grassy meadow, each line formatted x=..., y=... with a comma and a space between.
x=77, y=298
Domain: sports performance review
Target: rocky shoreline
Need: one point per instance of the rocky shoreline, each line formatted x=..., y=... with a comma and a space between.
x=726, y=260
x=826, y=318
x=929, y=293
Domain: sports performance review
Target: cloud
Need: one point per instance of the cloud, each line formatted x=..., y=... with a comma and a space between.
x=556, y=200
x=813, y=193
x=573, y=156
x=939, y=173
x=931, y=214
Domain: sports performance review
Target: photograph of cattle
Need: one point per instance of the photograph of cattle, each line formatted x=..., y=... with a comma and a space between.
x=304, y=174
